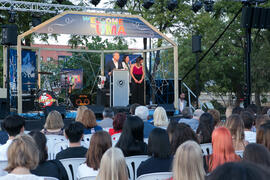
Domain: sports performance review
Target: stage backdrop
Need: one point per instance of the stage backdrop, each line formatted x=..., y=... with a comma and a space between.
x=72, y=76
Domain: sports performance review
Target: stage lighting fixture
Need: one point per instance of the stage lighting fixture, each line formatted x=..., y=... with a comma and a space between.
x=172, y=4
x=95, y=2
x=121, y=3
x=12, y=15
x=148, y=3
x=197, y=6
x=36, y=20
x=208, y=5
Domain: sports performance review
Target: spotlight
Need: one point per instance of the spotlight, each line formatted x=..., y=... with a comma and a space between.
x=121, y=3
x=148, y=3
x=36, y=20
x=12, y=15
x=172, y=4
x=197, y=6
x=95, y=2
x=208, y=5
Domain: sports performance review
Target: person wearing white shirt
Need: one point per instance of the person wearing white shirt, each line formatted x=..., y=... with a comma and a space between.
x=182, y=102
x=126, y=63
x=13, y=125
x=248, y=120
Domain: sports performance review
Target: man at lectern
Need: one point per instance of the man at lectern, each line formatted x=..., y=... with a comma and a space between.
x=113, y=64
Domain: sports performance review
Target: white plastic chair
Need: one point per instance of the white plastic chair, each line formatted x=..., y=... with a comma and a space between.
x=3, y=164
x=156, y=176
x=71, y=165
x=49, y=178
x=106, y=129
x=115, y=138
x=133, y=163
x=239, y=153
x=206, y=148
x=58, y=147
x=51, y=141
x=86, y=140
x=88, y=178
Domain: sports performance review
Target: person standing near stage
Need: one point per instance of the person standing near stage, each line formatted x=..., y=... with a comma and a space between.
x=137, y=81
x=126, y=63
x=182, y=102
x=113, y=64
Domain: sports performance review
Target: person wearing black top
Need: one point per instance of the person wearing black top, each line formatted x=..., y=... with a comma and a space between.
x=131, y=139
x=74, y=133
x=159, y=150
x=52, y=168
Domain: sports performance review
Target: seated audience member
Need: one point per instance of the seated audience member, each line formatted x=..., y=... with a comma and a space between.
x=258, y=154
x=118, y=123
x=188, y=162
x=236, y=126
x=132, y=108
x=237, y=110
x=261, y=119
x=253, y=109
x=197, y=114
x=113, y=165
x=143, y=113
x=80, y=113
x=131, y=140
x=13, y=125
x=89, y=121
x=23, y=156
x=223, y=150
x=263, y=135
x=3, y=136
x=205, y=128
x=264, y=110
x=74, y=134
x=52, y=168
x=100, y=142
x=107, y=120
x=178, y=134
x=216, y=116
x=159, y=151
x=248, y=120
x=239, y=170
x=228, y=112
x=160, y=117
x=54, y=124
x=188, y=118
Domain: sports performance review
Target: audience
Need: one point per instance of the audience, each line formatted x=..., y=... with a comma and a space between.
x=188, y=162
x=237, y=110
x=89, y=121
x=205, y=128
x=23, y=156
x=178, y=134
x=113, y=166
x=236, y=126
x=132, y=108
x=74, y=134
x=261, y=119
x=216, y=116
x=118, y=123
x=258, y=154
x=54, y=124
x=160, y=117
x=188, y=118
x=52, y=168
x=143, y=113
x=107, y=120
x=248, y=120
x=3, y=136
x=197, y=114
x=13, y=125
x=131, y=140
x=223, y=150
x=228, y=111
x=263, y=135
x=100, y=142
x=80, y=113
x=159, y=151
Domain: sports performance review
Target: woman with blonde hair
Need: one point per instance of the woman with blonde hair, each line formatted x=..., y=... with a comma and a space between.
x=89, y=121
x=160, y=117
x=23, y=156
x=236, y=126
x=80, y=112
x=188, y=162
x=113, y=165
x=54, y=124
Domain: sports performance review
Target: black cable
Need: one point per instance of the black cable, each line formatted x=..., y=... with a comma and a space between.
x=205, y=54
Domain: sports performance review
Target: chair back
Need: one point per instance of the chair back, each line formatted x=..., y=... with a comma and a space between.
x=133, y=163
x=115, y=138
x=156, y=176
x=86, y=140
x=71, y=165
x=206, y=148
x=3, y=165
x=239, y=153
x=88, y=178
x=51, y=141
x=49, y=178
x=58, y=147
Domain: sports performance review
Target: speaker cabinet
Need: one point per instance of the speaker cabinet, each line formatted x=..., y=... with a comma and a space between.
x=196, y=44
x=9, y=34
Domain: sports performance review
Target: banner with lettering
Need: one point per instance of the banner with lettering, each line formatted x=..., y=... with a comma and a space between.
x=99, y=25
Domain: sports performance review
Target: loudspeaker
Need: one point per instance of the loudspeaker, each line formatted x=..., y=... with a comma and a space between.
x=9, y=34
x=60, y=109
x=256, y=19
x=246, y=18
x=196, y=44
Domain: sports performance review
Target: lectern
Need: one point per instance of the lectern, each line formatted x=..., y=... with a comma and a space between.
x=119, y=88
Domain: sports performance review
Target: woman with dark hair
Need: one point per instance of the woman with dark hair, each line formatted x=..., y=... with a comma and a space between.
x=257, y=154
x=100, y=142
x=263, y=135
x=205, y=128
x=131, y=139
x=118, y=123
x=137, y=81
x=126, y=62
x=159, y=151
x=52, y=168
x=178, y=134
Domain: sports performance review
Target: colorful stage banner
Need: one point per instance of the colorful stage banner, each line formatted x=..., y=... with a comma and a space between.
x=72, y=78
x=98, y=25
